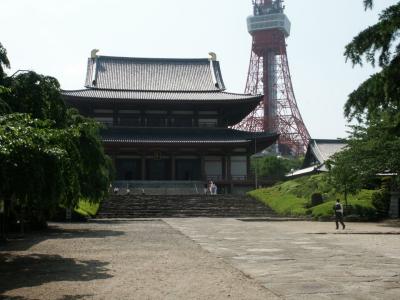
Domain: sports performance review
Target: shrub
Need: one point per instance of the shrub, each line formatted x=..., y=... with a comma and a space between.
x=381, y=201
x=316, y=199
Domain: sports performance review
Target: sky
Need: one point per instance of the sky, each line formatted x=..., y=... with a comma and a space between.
x=55, y=37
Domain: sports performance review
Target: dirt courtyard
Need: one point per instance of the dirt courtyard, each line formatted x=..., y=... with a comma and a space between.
x=118, y=259
x=201, y=258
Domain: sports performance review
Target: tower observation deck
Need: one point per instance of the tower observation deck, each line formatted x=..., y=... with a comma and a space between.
x=269, y=75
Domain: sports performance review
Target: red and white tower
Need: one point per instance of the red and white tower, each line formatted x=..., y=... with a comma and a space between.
x=269, y=75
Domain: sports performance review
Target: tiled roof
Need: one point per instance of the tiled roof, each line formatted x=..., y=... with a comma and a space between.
x=324, y=149
x=183, y=135
x=104, y=95
x=153, y=74
x=320, y=150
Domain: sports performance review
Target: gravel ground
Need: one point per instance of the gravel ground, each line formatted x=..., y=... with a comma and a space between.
x=118, y=259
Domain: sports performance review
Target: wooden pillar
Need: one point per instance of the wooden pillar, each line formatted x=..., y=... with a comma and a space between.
x=143, y=167
x=143, y=120
x=225, y=167
x=248, y=166
x=196, y=118
x=203, y=167
x=115, y=116
x=228, y=167
x=173, y=171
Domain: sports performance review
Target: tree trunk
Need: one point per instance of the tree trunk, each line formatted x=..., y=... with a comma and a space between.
x=22, y=222
x=3, y=220
x=2, y=227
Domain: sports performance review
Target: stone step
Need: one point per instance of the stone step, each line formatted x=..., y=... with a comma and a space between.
x=143, y=206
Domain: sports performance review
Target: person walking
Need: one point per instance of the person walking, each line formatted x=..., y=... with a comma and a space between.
x=338, y=209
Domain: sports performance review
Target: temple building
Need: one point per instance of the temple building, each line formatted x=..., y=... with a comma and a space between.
x=170, y=119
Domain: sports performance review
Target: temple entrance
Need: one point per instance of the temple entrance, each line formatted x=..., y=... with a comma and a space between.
x=158, y=169
x=128, y=169
x=188, y=169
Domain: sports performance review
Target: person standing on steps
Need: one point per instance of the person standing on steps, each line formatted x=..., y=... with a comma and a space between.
x=338, y=209
x=209, y=187
x=214, y=189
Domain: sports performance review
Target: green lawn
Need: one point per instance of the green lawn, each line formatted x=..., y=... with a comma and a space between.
x=293, y=198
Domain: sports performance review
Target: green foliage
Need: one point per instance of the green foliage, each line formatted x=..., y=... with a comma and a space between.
x=4, y=107
x=374, y=143
x=86, y=208
x=34, y=159
x=4, y=62
x=50, y=156
x=95, y=167
x=273, y=167
x=293, y=198
x=381, y=201
x=371, y=150
x=344, y=173
x=368, y=4
x=36, y=95
x=381, y=197
x=281, y=203
x=43, y=166
x=359, y=205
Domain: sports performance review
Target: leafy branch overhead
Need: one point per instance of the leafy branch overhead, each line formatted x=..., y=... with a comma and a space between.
x=374, y=143
x=381, y=92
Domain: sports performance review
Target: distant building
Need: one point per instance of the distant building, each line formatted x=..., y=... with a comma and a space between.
x=318, y=152
x=169, y=119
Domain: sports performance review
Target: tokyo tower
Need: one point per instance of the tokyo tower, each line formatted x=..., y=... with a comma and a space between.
x=269, y=75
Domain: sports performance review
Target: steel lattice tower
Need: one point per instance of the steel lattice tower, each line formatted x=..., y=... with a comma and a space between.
x=269, y=75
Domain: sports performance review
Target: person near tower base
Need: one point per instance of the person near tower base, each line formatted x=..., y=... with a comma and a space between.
x=338, y=209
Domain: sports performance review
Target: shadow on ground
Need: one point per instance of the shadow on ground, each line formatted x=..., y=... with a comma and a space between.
x=16, y=243
x=24, y=271
x=121, y=221
x=391, y=223
x=65, y=297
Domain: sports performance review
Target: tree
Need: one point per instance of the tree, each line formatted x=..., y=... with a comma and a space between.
x=95, y=170
x=49, y=155
x=374, y=143
x=4, y=107
x=273, y=167
x=344, y=173
x=4, y=62
x=34, y=164
x=37, y=95
x=380, y=93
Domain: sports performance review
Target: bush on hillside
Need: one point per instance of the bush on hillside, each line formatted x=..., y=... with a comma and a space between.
x=316, y=199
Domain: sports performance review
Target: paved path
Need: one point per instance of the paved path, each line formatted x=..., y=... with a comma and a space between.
x=306, y=260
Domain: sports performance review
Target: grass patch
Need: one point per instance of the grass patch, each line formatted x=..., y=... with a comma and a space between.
x=282, y=203
x=87, y=209
x=293, y=198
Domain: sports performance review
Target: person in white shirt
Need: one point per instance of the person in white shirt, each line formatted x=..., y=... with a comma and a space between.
x=338, y=209
x=214, y=189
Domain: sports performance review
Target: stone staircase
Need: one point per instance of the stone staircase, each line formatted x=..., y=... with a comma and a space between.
x=156, y=206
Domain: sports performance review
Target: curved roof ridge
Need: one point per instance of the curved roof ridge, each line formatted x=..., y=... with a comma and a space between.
x=169, y=59
x=154, y=74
